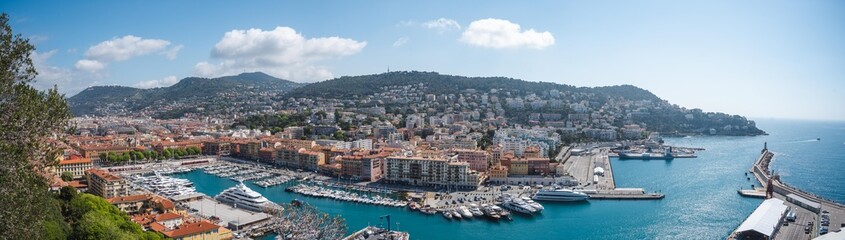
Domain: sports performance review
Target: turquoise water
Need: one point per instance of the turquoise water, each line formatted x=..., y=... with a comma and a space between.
x=701, y=200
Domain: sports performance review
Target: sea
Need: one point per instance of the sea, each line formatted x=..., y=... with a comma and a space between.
x=701, y=200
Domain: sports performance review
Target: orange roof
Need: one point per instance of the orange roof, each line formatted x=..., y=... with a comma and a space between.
x=77, y=184
x=75, y=159
x=165, y=203
x=132, y=198
x=103, y=174
x=167, y=216
x=188, y=229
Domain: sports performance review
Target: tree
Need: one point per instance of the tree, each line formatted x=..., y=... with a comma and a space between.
x=29, y=118
x=67, y=176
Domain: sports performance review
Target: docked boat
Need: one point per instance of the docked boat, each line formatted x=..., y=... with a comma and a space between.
x=475, y=210
x=490, y=212
x=242, y=196
x=533, y=204
x=465, y=211
x=502, y=212
x=455, y=214
x=560, y=195
x=447, y=214
x=517, y=205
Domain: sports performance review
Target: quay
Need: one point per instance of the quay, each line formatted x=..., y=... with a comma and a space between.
x=594, y=173
x=806, y=208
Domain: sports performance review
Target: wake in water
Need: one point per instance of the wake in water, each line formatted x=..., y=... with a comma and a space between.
x=805, y=141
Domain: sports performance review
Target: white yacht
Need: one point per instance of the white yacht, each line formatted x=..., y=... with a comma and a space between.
x=517, y=205
x=465, y=211
x=242, y=197
x=560, y=195
x=533, y=204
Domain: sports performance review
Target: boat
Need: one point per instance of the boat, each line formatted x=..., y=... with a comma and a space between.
x=502, y=212
x=559, y=195
x=465, y=211
x=455, y=214
x=533, y=204
x=517, y=205
x=475, y=210
x=243, y=197
x=490, y=212
x=447, y=214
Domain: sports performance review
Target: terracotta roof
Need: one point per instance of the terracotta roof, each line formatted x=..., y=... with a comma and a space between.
x=165, y=203
x=77, y=184
x=167, y=216
x=131, y=198
x=75, y=159
x=188, y=229
x=103, y=174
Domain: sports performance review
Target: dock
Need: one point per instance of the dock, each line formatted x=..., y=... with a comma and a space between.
x=755, y=193
x=808, y=207
x=624, y=194
x=594, y=173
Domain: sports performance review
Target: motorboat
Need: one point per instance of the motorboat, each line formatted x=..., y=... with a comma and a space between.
x=533, y=204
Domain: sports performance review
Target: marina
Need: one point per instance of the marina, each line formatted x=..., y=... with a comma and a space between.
x=811, y=215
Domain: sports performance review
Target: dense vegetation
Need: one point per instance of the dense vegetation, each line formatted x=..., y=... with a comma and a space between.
x=29, y=117
x=349, y=87
x=91, y=217
x=273, y=122
x=192, y=88
x=114, y=158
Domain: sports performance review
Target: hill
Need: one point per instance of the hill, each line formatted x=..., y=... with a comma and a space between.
x=191, y=92
x=348, y=87
x=524, y=102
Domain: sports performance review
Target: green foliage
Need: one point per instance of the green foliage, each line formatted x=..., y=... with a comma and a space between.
x=188, y=88
x=29, y=117
x=67, y=176
x=274, y=122
x=94, y=218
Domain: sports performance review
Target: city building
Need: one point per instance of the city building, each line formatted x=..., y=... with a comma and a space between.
x=76, y=165
x=478, y=159
x=106, y=185
x=434, y=172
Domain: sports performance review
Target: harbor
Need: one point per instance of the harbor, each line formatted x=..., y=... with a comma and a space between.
x=594, y=173
x=804, y=215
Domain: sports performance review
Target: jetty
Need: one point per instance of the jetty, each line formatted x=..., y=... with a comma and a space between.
x=805, y=211
x=594, y=173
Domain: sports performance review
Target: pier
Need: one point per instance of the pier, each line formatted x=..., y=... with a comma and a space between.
x=594, y=173
x=807, y=207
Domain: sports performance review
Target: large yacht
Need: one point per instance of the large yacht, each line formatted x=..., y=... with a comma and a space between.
x=560, y=195
x=242, y=197
x=517, y=205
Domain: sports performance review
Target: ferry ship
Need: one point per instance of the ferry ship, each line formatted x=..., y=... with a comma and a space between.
x=560, y=195
x=242, y=196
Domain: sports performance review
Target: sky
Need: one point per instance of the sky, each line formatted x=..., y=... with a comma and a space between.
x=761, y=59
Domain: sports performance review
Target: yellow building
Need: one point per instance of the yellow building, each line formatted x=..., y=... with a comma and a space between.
x=519, y=167
x=76, y=165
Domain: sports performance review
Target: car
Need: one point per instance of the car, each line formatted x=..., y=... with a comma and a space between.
x=823, y=230
x=807, y=229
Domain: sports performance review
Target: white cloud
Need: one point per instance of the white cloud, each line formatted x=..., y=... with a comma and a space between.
x=98, y=57
x=498, y=33
x=281, y=52
x=120, y=49
x=401, y=41
x=89, y=65
x=442, y=25
x=164, y=82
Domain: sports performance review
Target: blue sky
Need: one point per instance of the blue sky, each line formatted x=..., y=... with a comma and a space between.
x=763, y=59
